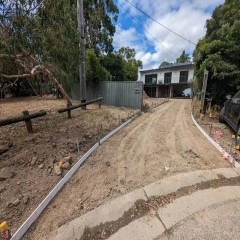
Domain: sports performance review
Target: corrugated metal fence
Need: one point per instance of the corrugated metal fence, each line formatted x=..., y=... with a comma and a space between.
x=120, y=94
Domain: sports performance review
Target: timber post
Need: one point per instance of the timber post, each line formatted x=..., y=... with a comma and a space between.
x=28, y=122
x=69, y=112
x=100, y=102
x=26, y=117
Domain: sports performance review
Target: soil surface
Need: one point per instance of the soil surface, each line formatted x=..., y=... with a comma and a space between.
x=29, y=162
x=161, y=142
x=220, y=132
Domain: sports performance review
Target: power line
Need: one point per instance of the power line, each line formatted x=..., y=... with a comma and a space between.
x=135, y=20
x=160, y=23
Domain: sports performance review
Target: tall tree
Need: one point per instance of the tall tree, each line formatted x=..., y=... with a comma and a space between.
x=164, y=63
x=130, y=63
x=95, y=72
x=219, y=51
x=47, y=31
x=184, y=57
x=115, y=66
x=99, y=16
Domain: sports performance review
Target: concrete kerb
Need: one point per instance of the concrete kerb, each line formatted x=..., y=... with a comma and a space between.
x=147, y=227
x=217, y=146
x=32, y=218
x=114, y=209
x=186, y=206
x=151, y=227
x=108, y=212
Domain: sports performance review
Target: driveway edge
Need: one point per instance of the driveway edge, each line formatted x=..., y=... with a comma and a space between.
x=217, y=146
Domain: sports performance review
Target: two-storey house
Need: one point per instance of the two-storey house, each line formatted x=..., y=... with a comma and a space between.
x=167, y=81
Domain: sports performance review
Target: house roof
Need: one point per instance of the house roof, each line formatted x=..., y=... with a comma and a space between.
x=172, y=66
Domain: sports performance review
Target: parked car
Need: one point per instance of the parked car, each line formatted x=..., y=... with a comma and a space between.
x=230, y=114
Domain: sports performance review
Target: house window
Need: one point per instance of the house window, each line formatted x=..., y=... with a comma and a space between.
x=183, y=77
x=167, y=77
x=151, y=79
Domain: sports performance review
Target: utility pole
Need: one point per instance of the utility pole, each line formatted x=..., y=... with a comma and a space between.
x=204, y=88
x=82, y=72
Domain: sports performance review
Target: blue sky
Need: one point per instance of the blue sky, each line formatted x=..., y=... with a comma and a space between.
x=153, y=43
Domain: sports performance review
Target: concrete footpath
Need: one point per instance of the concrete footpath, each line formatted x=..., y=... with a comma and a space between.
x=195, y=205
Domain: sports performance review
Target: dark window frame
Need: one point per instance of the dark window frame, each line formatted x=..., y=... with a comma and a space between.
x=183, y=76
x=149, y=79
x=167, y=77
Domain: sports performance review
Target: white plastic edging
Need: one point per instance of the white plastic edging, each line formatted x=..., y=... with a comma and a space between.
x=31, y=219
x=217, y=146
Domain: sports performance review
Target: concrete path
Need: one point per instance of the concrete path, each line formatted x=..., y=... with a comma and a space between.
x=212, y=190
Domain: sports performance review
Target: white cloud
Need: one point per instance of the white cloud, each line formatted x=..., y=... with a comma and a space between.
x=185, y=17
x=128, y=37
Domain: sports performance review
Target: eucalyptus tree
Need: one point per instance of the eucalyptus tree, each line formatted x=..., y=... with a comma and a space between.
x=39, y=37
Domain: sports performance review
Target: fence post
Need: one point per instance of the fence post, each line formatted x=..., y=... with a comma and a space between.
x=100, y=102
x=28, y=122
x=69, y=112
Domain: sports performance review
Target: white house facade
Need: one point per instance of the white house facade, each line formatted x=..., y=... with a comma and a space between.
x=167, y=81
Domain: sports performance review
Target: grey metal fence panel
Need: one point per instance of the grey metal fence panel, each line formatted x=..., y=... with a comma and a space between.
x=120, y=94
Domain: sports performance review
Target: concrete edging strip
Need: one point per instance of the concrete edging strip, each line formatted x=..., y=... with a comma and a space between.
x=31, y=219
x=217, y=146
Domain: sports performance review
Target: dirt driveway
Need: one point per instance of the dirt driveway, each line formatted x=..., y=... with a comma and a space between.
x=158, y=144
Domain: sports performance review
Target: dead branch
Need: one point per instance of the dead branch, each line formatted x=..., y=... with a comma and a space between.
x=36, y=70
x=16, y=76
x=10, y=56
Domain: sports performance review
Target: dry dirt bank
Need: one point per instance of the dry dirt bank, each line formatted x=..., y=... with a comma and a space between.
x=26, y=160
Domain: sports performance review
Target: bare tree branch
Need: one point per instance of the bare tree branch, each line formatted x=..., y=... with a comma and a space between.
x=37, y=68
x=16, y=76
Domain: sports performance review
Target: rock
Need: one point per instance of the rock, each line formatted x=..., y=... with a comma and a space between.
x=66, y=165
x=6, y=174
x=167, y=168
x=40, y=161
x=16, y=202
x=33, y=161
x=3, y=149
x=18, y=182
x=41, y=166
x=5, y=146
x=54, y=145
x=25, y=199
x=49, y=169
x=2, y=188
x=2, y=178
x=57, y=170
x=67, y=159
x=108, y=164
